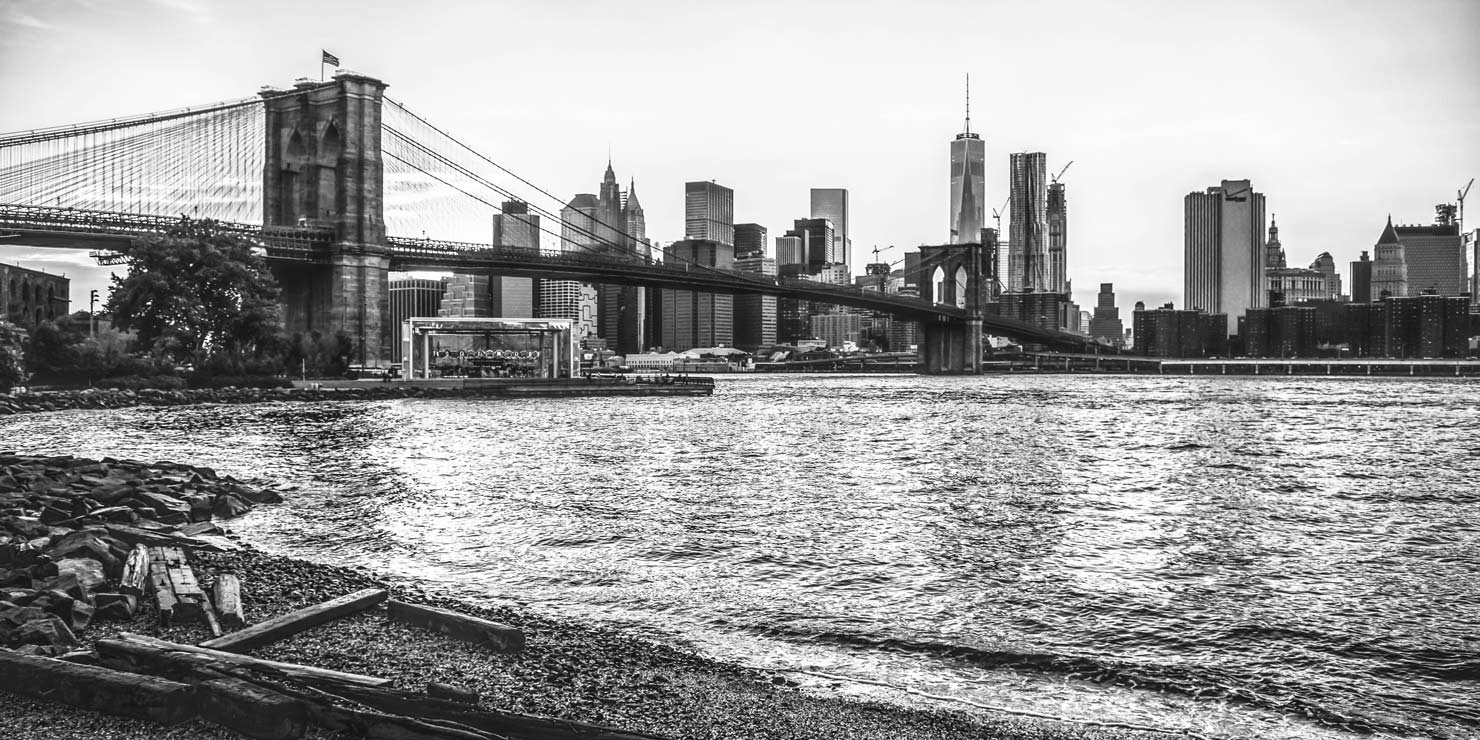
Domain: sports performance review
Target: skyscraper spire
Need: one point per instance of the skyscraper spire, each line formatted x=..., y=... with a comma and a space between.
x=630, y=202
x=968, y=102
x=968, y=163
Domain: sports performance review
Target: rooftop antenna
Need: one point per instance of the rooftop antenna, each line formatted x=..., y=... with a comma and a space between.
x=968, y=102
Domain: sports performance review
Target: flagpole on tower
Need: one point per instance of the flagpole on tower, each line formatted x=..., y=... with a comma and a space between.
x=325, y=58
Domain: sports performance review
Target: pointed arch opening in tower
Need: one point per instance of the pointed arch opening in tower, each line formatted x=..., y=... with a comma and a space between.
x=330, y=145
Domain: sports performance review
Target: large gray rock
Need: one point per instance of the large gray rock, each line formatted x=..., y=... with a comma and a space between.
x=50, y=630
x=88, y=572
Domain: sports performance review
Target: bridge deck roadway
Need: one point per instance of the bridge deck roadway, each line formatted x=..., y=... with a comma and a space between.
x=44, y=226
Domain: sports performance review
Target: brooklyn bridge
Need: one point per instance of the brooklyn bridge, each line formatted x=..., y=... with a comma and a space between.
x=340, y=186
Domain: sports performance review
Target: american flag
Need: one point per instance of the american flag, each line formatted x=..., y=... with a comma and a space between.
x=330, y=58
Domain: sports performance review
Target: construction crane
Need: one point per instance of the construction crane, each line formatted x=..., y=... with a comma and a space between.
x=997, y=214
x=1462, y=194
x=1061, y=172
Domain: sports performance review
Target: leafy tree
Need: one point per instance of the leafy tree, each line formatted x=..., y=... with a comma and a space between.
x=197, y=292
x=64, y=351
x=12, y=346
x=56, y=347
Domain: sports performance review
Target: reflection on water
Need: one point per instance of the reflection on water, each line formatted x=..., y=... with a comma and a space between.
x=1227, y=555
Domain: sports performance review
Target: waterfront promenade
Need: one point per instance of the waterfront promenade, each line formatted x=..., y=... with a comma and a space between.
x=1348, y=366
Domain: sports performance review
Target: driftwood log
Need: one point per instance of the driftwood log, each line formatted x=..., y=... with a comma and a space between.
x=229, y=601
x=250, y=709
x=510, y=724
x=136, y=571
x=144, y=654
x=95, y=688
x=500, y=637
x=362, y=705
x=272, y=630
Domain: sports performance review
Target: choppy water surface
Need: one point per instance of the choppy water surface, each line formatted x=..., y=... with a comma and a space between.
x=1261, y=557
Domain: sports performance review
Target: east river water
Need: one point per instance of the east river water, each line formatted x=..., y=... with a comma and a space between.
x=1276, y=557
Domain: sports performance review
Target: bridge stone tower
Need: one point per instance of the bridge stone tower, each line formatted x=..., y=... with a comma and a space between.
x=323, y=170
x=963, y=276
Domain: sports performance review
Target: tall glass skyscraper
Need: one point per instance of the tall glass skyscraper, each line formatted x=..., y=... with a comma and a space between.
x=750, y=240
x=832, y=204
x=515, y=226
x=968, y=181
x=1223, y=262
x=1027, y=253
x=1058, y=240
x=709, y=212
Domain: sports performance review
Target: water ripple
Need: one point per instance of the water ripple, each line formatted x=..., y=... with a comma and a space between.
x=1294, y=557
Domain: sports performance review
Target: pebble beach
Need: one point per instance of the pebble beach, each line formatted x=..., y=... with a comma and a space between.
x=566, y=670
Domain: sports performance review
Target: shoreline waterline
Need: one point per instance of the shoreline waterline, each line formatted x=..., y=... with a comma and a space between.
x=426, y=478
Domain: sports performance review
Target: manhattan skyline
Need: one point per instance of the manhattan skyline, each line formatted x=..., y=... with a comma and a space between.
x=1342, y=113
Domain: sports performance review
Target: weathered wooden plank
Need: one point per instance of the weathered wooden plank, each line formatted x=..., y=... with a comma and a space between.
x=212, y=623
x=278, y=628
x=98, y=689
x=229, y=601
x=164, y=597
x=500, y=637
x=182, y=576
x=161, y=656
x=176, y=589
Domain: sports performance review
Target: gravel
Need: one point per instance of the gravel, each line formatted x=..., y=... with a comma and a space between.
x=567, y=670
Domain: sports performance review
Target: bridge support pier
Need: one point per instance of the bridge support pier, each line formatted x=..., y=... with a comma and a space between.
x=952, y=347
x=361, y=304
x=350, y=295
x=323, y=168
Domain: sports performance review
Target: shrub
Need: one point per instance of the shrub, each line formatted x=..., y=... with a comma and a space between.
x=142, y=382
x=12, y=350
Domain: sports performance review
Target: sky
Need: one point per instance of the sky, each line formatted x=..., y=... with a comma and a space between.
x=1339, y=112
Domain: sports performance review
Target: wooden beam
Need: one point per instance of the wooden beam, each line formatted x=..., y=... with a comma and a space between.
x=500, y=637
x=278, y=628
x=492, y=721
x=98, y=689
x=250, y=709
x=135, y=571
x=229, y=601
x=155, y=655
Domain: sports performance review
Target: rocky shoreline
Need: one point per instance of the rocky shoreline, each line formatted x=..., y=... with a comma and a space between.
x=104, y=398
x=66, y=521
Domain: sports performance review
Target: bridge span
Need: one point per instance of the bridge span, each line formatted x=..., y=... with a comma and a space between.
x=319, y=186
